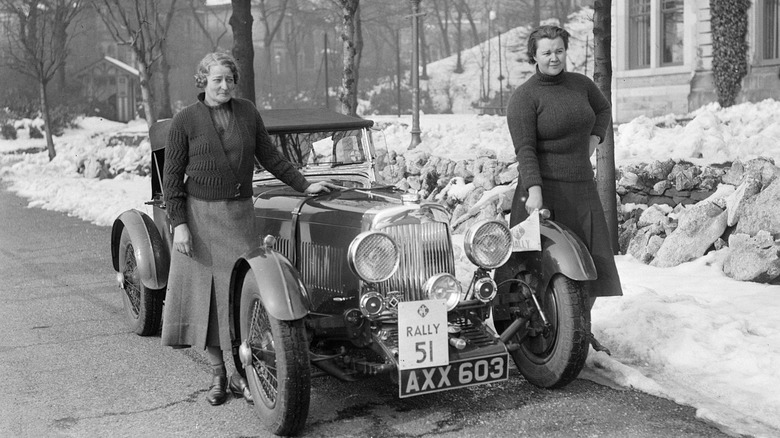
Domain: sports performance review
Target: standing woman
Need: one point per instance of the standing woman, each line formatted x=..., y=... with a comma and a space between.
x=209, y=163
x=556, y=120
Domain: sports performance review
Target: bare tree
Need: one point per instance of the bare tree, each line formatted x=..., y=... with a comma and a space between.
x=441, y=12
x=605, y=153
x=39, y=44
x=243, y=48
x=137, y=24
x=272, y=15
x=198, y=11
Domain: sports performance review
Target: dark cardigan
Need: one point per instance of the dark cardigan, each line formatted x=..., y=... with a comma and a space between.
x=551, y=119
x=194, y=149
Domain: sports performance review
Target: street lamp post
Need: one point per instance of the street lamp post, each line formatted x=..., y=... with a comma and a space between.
x=491, y=17
x=415, y=75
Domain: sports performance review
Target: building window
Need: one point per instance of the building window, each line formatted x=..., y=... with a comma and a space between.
x=672, y=32
x=771, y=30
x=639, y=34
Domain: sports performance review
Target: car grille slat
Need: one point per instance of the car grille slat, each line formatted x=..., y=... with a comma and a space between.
x=425, y=251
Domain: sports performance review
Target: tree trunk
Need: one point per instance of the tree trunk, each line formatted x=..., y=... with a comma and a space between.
x=358, y=37
x=537, y=13
x=166, y=111
x=459, y=38
x=147, y=95
x=46, y=119
x=605, y=153
x=348, y=77
x=243, y=49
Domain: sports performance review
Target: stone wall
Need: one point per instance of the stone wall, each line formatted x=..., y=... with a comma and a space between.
x=670, y=212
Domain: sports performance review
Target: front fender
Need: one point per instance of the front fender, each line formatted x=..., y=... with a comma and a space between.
x=562, y=253
x=281, y=288
x=151, y=253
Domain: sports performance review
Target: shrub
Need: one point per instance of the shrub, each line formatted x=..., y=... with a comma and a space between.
x=729, y=48
x=35, y=132
x=8, y=131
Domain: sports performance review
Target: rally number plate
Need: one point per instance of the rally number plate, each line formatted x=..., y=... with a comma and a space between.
x=457, y=374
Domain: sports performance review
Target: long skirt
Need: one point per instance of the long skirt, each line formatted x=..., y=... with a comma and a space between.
x=577, y=206
x=197, y=300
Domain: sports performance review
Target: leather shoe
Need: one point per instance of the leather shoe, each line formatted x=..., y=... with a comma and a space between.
x=217, y=395
x=240, y=388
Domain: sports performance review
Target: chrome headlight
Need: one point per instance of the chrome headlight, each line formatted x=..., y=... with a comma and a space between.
x=373, y=256
x=488, y=244
x=485, y=289
x=444, y=287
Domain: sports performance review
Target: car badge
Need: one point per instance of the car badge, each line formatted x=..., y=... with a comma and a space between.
x=422, y=311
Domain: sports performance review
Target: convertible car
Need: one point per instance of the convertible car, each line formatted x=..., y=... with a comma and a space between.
x=359, y=282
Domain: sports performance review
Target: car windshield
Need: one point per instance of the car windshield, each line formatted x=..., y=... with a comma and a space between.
x=321, y=148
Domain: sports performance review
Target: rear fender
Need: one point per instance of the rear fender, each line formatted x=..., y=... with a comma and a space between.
x=151, y=254
x=281, y=288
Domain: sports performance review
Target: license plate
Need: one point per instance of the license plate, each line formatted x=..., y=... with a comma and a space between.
x=457, y=374
x=422, y=334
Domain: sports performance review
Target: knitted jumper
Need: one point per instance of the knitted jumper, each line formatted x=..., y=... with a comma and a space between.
x=194, y=148
x=551, y=119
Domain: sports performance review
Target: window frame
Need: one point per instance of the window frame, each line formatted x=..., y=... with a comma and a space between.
x=655, y=37
x=761, y=19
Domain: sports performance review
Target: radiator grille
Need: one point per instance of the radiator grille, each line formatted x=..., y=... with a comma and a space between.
x=425, y=251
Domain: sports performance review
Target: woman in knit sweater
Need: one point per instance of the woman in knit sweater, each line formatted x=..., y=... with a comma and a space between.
x=209, y=163
x=556, y=120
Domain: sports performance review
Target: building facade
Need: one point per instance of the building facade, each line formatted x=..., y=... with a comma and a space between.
x=662, y=56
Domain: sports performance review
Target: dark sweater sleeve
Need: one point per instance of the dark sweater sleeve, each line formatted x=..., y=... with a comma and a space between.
x=273, y=160
x=521, y=120
x=176, y=158
x=602, y=108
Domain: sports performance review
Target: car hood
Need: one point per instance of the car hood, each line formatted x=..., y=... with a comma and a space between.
x=354, y=208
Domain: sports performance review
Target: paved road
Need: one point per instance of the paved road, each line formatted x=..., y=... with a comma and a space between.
x=69, y=367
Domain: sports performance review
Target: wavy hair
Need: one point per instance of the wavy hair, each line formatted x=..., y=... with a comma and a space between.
x=212, y=59
x=542, y=32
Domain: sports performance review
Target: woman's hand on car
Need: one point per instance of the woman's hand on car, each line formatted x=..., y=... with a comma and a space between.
x=321, y=187
x=182, y=239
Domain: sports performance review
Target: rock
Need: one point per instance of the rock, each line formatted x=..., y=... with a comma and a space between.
x=761, y=212
x=627, y=232
x=736, y=202
x=655, y=214
x=665, y=200
x=634, y=198
x=753, y=258
x=507, y=175
x=645, y=244
x=463, y=170
x=697, y=229
x=660, y=187
x=684, y=176
x=659, y=170
x=630, y=180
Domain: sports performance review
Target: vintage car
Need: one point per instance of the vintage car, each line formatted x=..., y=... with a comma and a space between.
x=358, y=282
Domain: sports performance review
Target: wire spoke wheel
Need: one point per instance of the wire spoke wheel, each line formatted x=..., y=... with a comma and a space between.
x=261, y=341
x=132, y=282
x=143, y=306
x=279, y=376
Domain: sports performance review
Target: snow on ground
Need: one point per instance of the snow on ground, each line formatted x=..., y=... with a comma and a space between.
x=687, y=333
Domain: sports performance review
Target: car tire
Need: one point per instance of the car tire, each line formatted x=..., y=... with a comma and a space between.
x=280, y=375
x=143, y=306
x=555, y=358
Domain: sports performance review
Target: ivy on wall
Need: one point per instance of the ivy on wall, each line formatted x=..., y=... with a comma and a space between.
x=729, y=23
